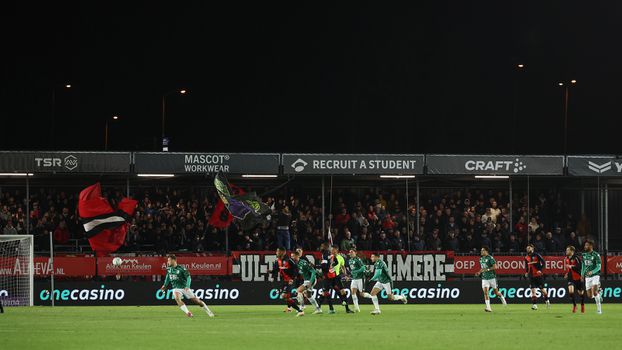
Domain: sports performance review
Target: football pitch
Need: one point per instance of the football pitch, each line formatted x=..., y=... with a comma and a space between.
x=268, y=327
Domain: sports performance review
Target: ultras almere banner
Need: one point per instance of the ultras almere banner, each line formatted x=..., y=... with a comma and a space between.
x=266, y=293
x=65, y=162
x=450, y=164
x=256, y=266
x=353, y=164
x=594, y=166
x=206, y=163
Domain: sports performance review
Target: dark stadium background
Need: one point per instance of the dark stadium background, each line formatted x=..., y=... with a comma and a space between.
x=349, y=77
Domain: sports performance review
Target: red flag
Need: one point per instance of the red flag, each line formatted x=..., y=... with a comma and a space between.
x=221, y=217
x=105, y=227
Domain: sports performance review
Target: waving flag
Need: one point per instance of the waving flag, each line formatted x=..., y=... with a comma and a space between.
x=104, y=226
x=246, y=207
x=221, y=218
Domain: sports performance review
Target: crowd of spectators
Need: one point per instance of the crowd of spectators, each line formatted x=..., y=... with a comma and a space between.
x=177, y=220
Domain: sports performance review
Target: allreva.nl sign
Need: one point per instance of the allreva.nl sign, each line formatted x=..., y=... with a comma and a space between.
x=594, y=166
x=353, y=164
x=448, y=164
x=206, y=163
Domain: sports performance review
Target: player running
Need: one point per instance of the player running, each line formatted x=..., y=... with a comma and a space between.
x=590, y=272
x=299, y=282
x=179, y=278
x=535, y=265
x=307, y=271
x=357, y=271
x=288, y=270
x=573, y=274
x=489, y=277
x=383, y=281
x=333, y=266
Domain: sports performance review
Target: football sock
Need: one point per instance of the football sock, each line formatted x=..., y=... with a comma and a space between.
x=344, y=301
x=300, y=298
x=374, y=299
x=314, y=302
x=355, y=301
x=487, y=301
x=598, y=304
x=184, y=308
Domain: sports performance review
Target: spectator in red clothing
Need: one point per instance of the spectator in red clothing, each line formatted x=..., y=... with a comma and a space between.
x=61, y=234
x=372, y=217
x=342, y=219
x=388, y=223
x=521, y=228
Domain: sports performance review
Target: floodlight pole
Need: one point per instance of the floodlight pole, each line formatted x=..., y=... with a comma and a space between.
x=510, y=205
x=52, y=268
x=323, y=208
x=566, y=120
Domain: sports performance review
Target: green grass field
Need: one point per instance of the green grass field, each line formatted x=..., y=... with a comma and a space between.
x=267, y=327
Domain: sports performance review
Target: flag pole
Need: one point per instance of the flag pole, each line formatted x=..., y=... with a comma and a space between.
x=52, y=268
x=323, y=209
x=226, y=229
x=330, y=211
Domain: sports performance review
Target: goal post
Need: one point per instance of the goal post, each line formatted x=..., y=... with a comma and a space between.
x=17, y=270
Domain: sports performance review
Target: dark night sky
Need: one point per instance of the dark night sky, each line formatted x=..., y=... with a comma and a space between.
x=436, y=77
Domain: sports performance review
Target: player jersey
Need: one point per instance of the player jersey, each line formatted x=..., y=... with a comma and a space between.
x=286, y=268
x=325, y=263
x=534, y=270
x=337, y=264
x=178, y=277
x=306, y=270
x=357, y=268
x=487, y=262
x=381, y=272
x=591, y=263
x=573, y=267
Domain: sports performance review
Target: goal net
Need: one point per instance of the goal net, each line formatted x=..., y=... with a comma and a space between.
x=16, y=270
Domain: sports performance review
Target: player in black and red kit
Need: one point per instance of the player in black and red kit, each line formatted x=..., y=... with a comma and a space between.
x=573, y=273
x=333, y=268
x=288, y=270
x=534, y=265
x=325, y=292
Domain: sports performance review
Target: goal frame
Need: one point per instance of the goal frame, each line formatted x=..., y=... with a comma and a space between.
x=31, y=260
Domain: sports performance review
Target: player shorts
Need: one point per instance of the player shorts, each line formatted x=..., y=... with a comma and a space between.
x=578, y=284
x=333, y=283
x=592, y=281
x=287, y=288
x=385, y=286
x=491, y=284
x=309, y=284
x=186, y=293
x=357, y=283
x=536, y=282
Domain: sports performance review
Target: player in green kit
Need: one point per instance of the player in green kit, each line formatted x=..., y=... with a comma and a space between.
x=357, y=271
x=309, y=277
x=489, y=277
x=179, y=278
x=383, y=281
x=590, y=272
